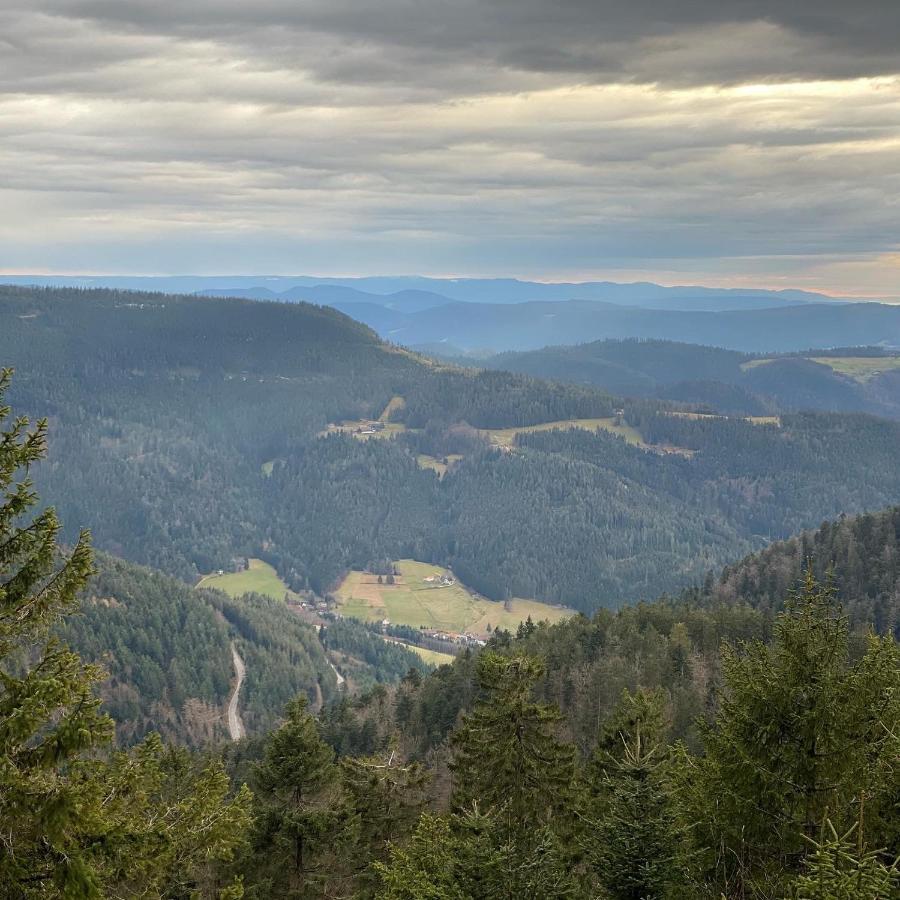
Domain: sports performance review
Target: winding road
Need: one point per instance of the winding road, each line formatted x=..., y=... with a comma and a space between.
x=235, y=725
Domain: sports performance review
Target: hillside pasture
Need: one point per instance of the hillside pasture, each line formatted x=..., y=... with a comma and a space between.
x=432, y=657
x=860, y=368
x=413, y=601
x=260, y=578
x=506, y=437
x=438, y=465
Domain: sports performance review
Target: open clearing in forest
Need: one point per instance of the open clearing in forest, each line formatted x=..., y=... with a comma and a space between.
x=260, y=578
x=859, y=368
x=753, y=420
x=505, y=437
x=438, y=465
x=416, y=602
x=363, y=429
x=432, y=657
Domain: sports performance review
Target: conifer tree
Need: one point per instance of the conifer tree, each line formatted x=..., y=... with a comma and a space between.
x=48, y=713
x=631, y=836
x=802, y=735
x=300, y=810
x=385, y=799
x=506, y=753
x=838, y=870
x=466, y=856
x=72, y=823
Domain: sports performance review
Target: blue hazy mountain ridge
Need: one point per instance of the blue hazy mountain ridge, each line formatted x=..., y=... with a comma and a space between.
x=399, y=289
x=526, y=326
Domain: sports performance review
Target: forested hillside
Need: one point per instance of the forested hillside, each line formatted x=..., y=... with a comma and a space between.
x=704, y=746
x=671, y=644
x=190, y=433
x=167, y=651
x=854, y=379
x=612, y=798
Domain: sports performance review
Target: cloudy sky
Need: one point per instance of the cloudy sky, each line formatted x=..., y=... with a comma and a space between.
x=686, y=141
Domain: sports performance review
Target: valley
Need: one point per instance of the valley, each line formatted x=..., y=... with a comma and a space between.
x=543, y=543
x=210, y=443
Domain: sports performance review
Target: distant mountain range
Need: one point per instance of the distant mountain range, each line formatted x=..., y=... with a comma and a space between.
x=495, y=315
x=414, y=292
x=526, y=326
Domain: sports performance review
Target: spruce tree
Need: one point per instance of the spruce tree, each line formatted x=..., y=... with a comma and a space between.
x=385, y=798
x=802, y=736
x=507, y=756
x=74, y=824
x=299, y=810
x=467, y=856
x=838, y=870
x=48, y=713
x=631, y=834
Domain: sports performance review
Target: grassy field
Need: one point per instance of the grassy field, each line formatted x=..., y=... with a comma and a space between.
x=505, y=437
x=394, y=404
x=260, y=578
x=415, y=602
x=753, y=420
x=430, y=462
x=433, y=657
x=859, y=368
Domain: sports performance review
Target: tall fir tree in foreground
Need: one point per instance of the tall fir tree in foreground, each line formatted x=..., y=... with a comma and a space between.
x=48, y=713
x=73, y=824
x=507, y=756
x=803, y=737
x=300, y=813
x=631, y=835
x=514, y=776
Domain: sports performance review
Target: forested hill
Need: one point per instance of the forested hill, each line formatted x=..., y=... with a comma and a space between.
x=189, y=433
x=672, y=644
x=861, y=554
x=854, y=379
x=167, y=651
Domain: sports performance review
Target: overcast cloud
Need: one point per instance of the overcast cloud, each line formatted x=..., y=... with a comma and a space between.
x=728, y=142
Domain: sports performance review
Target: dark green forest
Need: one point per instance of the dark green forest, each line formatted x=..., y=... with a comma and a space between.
x=163, y=411
x=739, y=740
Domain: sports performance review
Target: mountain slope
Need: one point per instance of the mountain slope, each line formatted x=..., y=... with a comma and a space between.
x=727, y=381
x=185, y=432
x=167, y=649
x=669, y=645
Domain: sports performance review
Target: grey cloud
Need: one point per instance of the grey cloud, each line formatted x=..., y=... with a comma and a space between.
x=444, y=135
x=595, y=40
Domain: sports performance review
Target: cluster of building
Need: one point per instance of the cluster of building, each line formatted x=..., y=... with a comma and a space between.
x=465, y=638
x=444, y=579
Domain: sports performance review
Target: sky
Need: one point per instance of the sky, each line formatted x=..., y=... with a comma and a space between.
x=721, y=142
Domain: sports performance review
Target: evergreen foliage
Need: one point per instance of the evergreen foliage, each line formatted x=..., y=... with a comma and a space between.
x=802, y=736
x=298, y=811
x=74, y=824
